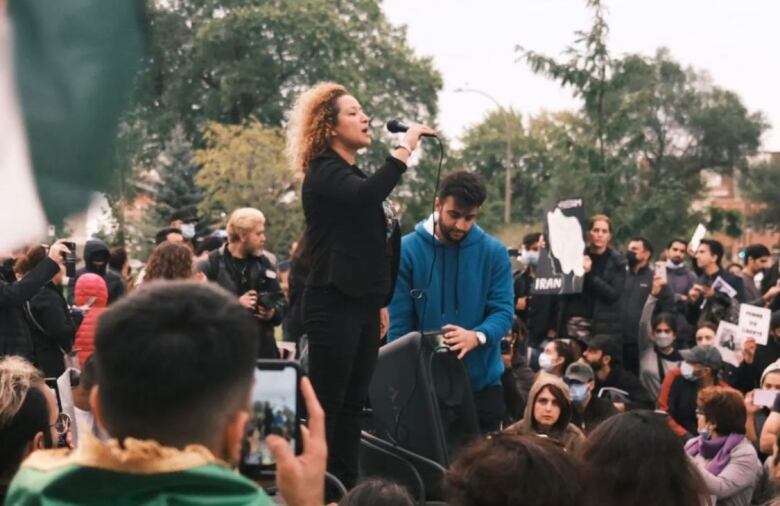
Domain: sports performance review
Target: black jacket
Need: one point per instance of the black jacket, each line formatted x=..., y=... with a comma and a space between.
x=351, y=244
x=261, y=277
x=638, y=396
x=771, y=277
x=748, y=376
x=116, y=287
x=51, y=312
x=595, y=412
x=605, y=291
x=15, y=337
x=637, y=288
x=539, y=314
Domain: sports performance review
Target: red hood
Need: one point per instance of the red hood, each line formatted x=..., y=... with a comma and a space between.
x=91, y=285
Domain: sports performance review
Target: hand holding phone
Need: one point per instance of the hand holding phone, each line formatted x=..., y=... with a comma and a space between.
x=301, y=478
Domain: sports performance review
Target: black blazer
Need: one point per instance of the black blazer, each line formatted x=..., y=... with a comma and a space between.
x=346, y=227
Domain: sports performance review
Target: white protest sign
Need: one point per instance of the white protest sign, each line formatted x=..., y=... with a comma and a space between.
x=754, y=322
x=698, y=235
x=722, y=286
x=729, y=340
x=68, y=406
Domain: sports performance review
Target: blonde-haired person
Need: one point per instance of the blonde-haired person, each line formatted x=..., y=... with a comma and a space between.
x=29, y=418
x=353, y=246
x=241, y=269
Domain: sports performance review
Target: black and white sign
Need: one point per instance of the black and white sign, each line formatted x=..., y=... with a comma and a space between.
x=560, y=269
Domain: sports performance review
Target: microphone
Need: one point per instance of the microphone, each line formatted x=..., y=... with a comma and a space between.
x=396, y=127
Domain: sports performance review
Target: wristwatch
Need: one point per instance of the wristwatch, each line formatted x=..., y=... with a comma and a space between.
x=481, y=337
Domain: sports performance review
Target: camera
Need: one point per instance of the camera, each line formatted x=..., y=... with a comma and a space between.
x=270, y=300
x=70, y=259
x=506, y=346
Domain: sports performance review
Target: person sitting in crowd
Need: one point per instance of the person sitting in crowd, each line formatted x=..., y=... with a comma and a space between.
x=175, y=434
x=633, y=458
x=705, y=334
x=28, y=416
x=48, y=315
x=768, y=486
x=377, y=492
x=657, y=339
x=91, y=294
x=756, y=358
x=512, y=469
x=724, y=456
x=96, y=256
x=15, y=338
x=169, y=260
x=518, y=377
x=623, y=388
x=700, y=369
x=556, y=357
x=757, y=414
x=589, y=410
x=549, y=412
x=598, y=305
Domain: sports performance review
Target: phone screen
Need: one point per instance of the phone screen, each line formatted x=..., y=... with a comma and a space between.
x=274, y=411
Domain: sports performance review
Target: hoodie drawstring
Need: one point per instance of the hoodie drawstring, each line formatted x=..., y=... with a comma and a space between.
x=457, y=272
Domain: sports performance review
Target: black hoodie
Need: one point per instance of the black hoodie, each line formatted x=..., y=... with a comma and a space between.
x=116, y=287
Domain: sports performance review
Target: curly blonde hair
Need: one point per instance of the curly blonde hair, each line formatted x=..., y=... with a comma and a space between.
x=17, y=377
x=313, y=114
x=169, y=260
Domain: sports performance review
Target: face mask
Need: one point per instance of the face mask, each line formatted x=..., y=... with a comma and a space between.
x=632, y=259
x=188, y=230
x=704, y=433
x=664, y=339
x=579, y=392
x=530, y=257
x=687, y=371
x=671, y=264
x=546, y=362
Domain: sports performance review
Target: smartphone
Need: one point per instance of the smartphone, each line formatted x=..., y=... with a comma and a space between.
x=660, y=270
x=276, y=409
x=70, y=259
x=763, y=397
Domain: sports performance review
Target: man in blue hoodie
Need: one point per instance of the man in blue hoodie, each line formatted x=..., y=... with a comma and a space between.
x=455, y=277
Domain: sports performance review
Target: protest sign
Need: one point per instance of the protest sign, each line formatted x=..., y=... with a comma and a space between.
x=560, y=269
x=754, y=322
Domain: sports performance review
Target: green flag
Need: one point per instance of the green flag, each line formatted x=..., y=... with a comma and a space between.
x=75, y=61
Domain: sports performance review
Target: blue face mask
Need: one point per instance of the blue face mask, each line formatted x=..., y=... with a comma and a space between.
x=530, y=257
x=579, y=392
x=704, y=433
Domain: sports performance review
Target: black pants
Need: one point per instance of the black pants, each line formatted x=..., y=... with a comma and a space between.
x=490, y=408
x=343, y=335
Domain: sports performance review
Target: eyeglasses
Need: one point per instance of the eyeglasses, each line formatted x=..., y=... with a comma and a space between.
x=62, y=425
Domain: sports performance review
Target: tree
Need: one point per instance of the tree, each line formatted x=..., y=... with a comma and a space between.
x=484, y=151
x=647, y=129
x=761, y=183
x=176, y=189
x=245, y=166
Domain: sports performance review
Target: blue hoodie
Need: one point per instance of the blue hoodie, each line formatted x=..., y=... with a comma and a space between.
x=471, y=286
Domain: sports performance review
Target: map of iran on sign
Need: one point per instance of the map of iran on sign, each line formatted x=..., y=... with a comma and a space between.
x=754, y=322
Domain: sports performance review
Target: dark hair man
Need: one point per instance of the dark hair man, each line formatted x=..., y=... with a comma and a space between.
x=680, y=279
x=175, y=366
x=455, y=277
x=757, y=259
x=708, y=259
x=639, y=282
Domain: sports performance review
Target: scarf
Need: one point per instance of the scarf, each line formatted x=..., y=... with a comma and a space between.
x=716, y=450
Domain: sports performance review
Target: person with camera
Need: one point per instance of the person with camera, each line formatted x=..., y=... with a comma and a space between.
x=15, y=338
x=239, y=268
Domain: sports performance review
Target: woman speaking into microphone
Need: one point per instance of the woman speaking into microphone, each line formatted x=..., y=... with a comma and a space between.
x=351, y=240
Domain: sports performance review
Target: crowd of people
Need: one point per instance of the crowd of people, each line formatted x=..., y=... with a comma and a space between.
x=618, y=394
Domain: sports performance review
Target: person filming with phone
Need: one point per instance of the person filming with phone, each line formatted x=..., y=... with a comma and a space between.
x=15, y=337
x=175, y=366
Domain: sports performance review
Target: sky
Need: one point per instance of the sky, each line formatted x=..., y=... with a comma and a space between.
x=473, y=45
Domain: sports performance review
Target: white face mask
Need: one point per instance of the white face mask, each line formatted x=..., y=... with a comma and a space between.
x=663, y=339
x=546, y=362
x=188, y=230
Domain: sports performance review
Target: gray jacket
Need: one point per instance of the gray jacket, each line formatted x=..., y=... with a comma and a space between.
x=734, y=485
